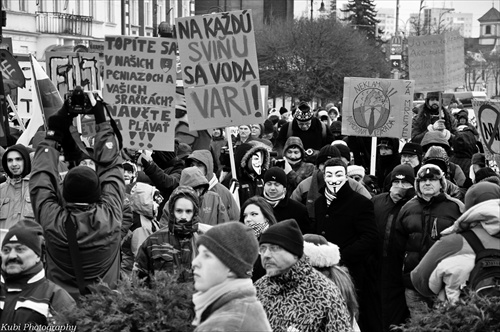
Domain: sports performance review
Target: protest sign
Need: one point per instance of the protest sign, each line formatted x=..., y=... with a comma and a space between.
x=436, y=62
x=219, y=69
x=488, y=121
x=139, y=84
x=377, y=107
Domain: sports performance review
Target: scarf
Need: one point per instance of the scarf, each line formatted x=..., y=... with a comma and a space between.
x=258, y=227
x=212, y=182
x=202, y=300
x=330, y=196
x=273, y=201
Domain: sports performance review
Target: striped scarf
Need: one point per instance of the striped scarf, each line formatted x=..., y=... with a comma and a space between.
x=330, y=196
x=273, y=201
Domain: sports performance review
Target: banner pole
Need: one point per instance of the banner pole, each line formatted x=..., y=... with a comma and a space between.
x=373, y=159
x=231, y=153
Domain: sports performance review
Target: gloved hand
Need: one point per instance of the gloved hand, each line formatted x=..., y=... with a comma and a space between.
x=99, y=113
x=58, y=124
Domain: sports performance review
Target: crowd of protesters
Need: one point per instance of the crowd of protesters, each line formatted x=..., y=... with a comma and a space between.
x=340, y=249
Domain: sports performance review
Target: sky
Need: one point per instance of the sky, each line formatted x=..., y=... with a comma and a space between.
x=477, y=7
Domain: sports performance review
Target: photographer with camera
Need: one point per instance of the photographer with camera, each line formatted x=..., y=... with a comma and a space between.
x=82, y=223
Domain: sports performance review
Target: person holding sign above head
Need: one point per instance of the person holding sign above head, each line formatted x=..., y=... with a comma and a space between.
x=432, y=117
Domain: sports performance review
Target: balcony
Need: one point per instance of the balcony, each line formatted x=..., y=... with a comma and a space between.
x=64, y=24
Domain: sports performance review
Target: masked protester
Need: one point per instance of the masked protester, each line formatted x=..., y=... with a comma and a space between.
x=387, y=207
x=172, y=248
x=346, y=218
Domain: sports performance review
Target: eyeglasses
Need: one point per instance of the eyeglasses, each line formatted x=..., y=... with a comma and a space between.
x=272, y=248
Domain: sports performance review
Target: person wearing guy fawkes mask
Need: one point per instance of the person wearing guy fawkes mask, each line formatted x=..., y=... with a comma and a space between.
x=346, y=219
x=387, y=206
x=172, y=248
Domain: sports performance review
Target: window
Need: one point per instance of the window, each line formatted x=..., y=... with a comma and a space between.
x=23, y=6
x=487, y=30
x=148, y=13
x=110, y=13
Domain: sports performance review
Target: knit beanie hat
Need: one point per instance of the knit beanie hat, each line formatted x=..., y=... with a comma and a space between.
x=336, y=127
x=287, y=235
x=321, y=253
x=403, y=172
x=81, y=185
x=355, y=170
x=481, y=192
x=276, y=174
x=27, y=232
x=283, y=110
x=413, y=149
x=484, y=173
x=327, y=152
x=304, y=112
x=234, y=244
x=344, y=151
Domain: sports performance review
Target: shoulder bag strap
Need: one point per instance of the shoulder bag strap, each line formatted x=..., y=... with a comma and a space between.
x=75, y=255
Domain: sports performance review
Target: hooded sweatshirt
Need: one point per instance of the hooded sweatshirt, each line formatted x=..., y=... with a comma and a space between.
x=212, y=209
x=301, y=170
x=205, y=157
x=15, y=201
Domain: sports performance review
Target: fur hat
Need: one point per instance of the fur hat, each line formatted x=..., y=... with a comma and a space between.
x=27, y=232
x=355, y=170
x=481, y=192
x=81, y=185
x=234, y=244
x=287, y=235
x=430, y=171
x=327, y=152
x=321, y=253
x=403, y=172
x=303, y=112
x=276, y=174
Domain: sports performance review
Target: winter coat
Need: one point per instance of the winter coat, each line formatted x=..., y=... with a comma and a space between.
x=289, y=209
x=419, y=225
x=464, y=146
x=235, y=311
x=311, y=139
x=212, y=209
x=30, y=298
x=302, y=299
x=301, y=170
x=15, y=201
x=98, y=224
x=447, y=265
x=308, y=191
x=425, y=118
x=394, y=309
x=205, y=157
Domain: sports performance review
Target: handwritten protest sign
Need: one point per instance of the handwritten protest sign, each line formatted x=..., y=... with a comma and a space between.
x=377, y=107
x=437, y=61
x=139, y=83
x=488, y=121
x=219, y=69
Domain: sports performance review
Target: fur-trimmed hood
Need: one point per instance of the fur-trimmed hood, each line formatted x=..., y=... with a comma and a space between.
x=245, y=151
x=322, y=255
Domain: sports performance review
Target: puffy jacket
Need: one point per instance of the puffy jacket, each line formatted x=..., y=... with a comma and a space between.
x=97, y=224
x=420, y=224
x=424, y=118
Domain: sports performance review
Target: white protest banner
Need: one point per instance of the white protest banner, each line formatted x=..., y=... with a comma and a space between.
x=139, y=84
x=377, y=107
x=488, y=122
x=219, y=69
x=436, y=62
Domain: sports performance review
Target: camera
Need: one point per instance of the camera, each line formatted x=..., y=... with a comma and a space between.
x=78, y=101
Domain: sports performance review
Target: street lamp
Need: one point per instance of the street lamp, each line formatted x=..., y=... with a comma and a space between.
x=321, y=8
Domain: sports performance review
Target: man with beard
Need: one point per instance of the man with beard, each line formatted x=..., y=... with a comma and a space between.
x=27, y=298
x=15, y=203
x=386, y=207
x=172, y=248
x=432, y=118
x=345, y=218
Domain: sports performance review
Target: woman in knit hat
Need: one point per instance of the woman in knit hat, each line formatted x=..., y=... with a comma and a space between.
x=324, y=256
x=226, y=298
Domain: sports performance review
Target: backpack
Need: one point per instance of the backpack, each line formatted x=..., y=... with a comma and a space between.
x=484, y=278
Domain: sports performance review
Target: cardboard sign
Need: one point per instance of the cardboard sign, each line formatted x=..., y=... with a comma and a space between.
x=377, y=107
x=488, y=121
x=219, y=69
x=437, y=61
x=139, y=84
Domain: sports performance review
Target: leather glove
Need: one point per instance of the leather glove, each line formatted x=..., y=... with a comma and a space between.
x=99, y=114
